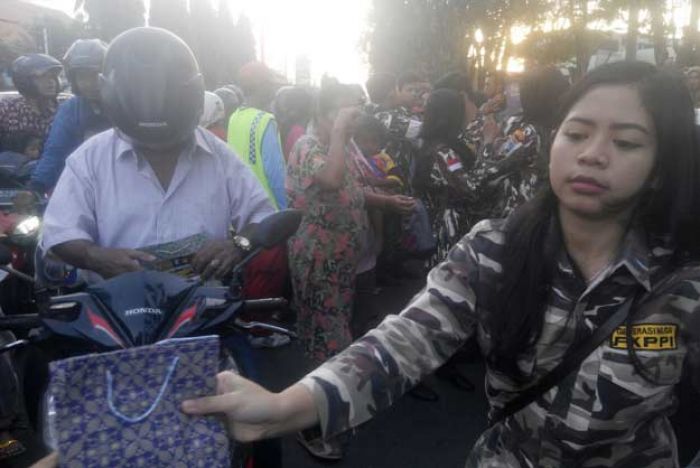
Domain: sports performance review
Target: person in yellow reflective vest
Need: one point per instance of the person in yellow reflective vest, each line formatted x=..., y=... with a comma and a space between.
x=253, y=134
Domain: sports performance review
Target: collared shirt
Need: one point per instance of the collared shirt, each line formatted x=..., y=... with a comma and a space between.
x=76, y=120
x=17, y=115
x=606, y=415
x=111, y=196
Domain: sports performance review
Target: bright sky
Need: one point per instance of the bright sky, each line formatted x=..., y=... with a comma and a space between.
x=328, y=32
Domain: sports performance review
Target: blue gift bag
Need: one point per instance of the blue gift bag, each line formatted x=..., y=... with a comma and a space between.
x=122, y=408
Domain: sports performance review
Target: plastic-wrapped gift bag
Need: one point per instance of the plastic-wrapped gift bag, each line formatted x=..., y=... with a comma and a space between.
x=122, y=408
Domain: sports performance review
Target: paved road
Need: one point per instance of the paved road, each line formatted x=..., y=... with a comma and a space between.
x=411, y=434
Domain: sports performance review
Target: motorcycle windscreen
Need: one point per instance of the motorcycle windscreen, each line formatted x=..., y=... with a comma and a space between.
x=142, y=302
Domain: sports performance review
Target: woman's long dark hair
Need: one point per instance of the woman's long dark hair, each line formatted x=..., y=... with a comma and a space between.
x=443, y=122
x=670, y=210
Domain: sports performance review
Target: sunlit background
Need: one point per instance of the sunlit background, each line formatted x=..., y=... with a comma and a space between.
x=327, y=32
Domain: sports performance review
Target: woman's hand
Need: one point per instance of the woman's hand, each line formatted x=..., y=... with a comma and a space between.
x=490, y=131
x=401, y=204
x=50, y=461
x=253, y=413
x=345, y=119
x=250, y=410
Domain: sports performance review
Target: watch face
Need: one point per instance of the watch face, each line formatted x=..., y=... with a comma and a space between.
x=242, y=242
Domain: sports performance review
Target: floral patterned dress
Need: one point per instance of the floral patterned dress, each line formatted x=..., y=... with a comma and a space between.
x=324, y=253
x=17, y=115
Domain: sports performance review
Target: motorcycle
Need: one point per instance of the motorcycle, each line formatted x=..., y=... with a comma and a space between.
x=20, y=223
x=106, y=316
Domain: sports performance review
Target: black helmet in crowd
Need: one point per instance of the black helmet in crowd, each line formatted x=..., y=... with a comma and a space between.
x=26, y=68
x=84, y=54
x=151, y=87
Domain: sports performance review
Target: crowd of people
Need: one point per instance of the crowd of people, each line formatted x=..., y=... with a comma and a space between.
x=537, y=211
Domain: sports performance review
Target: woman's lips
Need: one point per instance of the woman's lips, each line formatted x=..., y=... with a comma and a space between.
x=587, y=185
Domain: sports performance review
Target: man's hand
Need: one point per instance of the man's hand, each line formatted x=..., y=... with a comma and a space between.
x=216, y=259
x=112, y=262
x=401, y=204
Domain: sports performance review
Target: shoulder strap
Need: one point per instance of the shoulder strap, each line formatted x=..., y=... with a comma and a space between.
x=571, y=362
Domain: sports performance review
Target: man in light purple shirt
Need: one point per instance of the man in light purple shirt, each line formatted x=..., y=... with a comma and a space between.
x=155, y=177
x=109, y=195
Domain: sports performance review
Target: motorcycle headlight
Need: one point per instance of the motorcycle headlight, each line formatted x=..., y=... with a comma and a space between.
x=28, y=227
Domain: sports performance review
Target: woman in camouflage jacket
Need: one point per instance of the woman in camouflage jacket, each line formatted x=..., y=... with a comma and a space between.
x=619, y=220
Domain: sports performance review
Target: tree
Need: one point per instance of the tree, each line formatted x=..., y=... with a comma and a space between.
x=242, y=49
x=172, y=15
x=632, y=30
x=427, y=36
x=108, y=18
x=689, y=51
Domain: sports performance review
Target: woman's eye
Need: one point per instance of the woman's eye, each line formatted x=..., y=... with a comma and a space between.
x=627, y=145
x=575, y=136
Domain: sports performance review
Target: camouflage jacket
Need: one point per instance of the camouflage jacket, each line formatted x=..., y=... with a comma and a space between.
x=510, y=168
x=606, y=415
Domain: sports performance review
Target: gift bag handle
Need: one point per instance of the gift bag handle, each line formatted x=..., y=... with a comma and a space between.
x=144, y=415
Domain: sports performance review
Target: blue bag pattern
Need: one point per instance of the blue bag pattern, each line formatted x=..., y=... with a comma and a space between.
x=123, y=408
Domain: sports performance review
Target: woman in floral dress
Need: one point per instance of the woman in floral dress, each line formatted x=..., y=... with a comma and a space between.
x=324, y=252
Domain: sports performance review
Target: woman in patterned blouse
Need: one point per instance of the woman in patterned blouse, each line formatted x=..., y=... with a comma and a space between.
x=618, y=224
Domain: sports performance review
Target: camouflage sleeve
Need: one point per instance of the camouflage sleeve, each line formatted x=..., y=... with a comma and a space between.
x=517, y=151
x=378, y=368
x=400, y=125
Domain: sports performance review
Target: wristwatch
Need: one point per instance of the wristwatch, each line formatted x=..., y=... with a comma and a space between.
x=242, y=243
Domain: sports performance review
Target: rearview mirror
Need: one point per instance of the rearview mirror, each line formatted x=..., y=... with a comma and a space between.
x=276, y=228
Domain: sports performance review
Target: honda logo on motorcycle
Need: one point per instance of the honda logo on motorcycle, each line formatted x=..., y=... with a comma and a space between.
x=143, y=311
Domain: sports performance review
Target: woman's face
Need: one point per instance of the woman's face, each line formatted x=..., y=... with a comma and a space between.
x=47, y=84
x=603, y=153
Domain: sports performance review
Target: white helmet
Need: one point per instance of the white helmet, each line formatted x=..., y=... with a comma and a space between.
x=213, y=110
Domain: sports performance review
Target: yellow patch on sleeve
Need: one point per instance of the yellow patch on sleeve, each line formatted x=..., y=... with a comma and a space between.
x=647, y=337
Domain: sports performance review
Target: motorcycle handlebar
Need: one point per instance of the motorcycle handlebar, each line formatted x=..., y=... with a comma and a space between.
x=20, y=322
x=265, y=304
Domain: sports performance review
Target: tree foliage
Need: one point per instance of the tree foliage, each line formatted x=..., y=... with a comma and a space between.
x=439, y=35
x=221, y=45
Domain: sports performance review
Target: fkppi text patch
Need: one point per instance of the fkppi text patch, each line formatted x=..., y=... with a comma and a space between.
x=647, y=336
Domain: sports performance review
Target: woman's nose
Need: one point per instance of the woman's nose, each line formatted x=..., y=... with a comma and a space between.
x=595, y=154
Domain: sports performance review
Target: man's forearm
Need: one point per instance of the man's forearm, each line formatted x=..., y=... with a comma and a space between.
x=76, y=252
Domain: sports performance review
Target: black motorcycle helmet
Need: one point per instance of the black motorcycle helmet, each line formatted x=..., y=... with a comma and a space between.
x=84, y=54
x=151, y=87
x=28, y=67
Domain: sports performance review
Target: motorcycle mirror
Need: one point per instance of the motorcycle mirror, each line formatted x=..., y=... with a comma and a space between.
x=5, y=255
x=276, y=228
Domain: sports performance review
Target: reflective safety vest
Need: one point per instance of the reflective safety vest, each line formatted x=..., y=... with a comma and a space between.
x=246, y=128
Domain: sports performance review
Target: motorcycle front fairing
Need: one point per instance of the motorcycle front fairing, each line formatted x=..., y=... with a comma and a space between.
x=140, y=308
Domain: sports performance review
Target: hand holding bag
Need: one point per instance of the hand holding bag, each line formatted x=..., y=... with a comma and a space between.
x=123, y=408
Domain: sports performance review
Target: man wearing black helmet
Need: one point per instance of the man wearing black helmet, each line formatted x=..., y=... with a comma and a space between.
x=36, y=78
x=156, y=177
x=76, y=119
